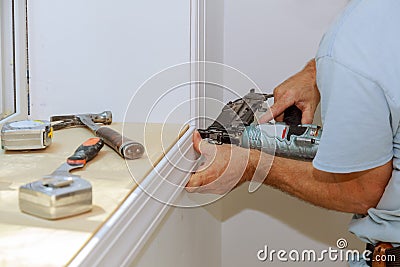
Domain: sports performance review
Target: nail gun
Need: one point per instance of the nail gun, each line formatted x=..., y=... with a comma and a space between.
x=236, y=124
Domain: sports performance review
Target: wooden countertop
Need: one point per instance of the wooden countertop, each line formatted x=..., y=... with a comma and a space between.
x=26, y=240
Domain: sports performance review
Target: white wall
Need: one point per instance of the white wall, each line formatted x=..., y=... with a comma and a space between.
x=93, y=55
x=269, y=41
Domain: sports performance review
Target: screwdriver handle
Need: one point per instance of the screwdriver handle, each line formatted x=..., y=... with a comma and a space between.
x=125, y=147
x=86, y=152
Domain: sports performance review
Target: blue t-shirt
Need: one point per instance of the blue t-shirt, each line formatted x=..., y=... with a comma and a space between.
x=358, y=75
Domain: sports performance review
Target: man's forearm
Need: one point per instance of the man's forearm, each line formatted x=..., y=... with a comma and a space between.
x=354, y=192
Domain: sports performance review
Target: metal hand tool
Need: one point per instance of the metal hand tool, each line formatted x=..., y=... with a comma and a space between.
x=26, y=135
x=124, y=146
x=64, y=121
x=37, y=134
x=61, y=194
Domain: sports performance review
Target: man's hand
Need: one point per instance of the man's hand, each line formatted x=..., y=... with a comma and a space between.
x=300, y=90
x=224, y=167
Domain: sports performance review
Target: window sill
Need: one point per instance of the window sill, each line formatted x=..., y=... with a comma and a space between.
x=123, y=215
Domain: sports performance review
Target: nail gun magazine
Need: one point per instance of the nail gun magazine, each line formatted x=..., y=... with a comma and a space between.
x=237, y=125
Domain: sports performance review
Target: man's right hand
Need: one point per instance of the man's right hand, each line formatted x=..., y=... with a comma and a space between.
x=300, y=90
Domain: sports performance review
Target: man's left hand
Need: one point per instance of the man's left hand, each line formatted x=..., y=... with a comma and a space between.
x=223, y=167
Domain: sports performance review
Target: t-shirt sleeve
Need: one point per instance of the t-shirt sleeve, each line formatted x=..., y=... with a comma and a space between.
x=357, y=133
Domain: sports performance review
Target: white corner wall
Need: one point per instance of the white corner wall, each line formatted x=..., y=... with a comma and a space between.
x=93, y=55
x=192, y=236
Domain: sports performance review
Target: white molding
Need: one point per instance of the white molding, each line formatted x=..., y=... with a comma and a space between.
x=121, y=238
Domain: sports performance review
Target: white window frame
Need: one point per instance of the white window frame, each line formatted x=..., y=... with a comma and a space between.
x=14, y=88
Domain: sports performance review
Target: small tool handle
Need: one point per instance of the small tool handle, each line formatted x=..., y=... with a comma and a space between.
x=86, y=152
x=292, y=116
x=124, y=146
